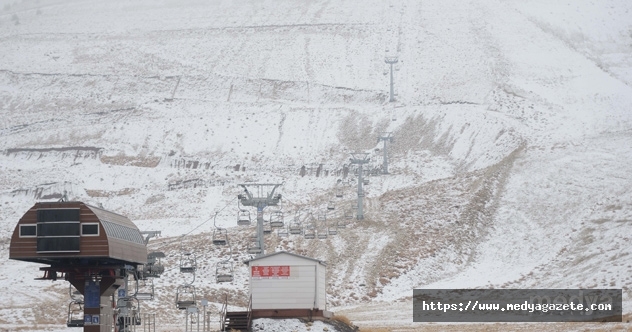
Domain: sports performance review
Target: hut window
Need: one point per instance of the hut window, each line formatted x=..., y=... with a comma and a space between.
x=91, y=229
x=58, y=244
x=58, y=230
x=48, y=215
x=28, y=230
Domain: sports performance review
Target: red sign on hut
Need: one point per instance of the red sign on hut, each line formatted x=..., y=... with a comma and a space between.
x=270, y=271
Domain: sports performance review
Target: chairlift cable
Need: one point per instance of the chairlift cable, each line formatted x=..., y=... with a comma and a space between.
x=196, y=227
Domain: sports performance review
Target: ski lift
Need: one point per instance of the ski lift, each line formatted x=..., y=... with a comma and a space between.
x=282, y=232
x=331, y=206
x=365, y=182
x=185, y=296
x=267, y=229
x=144, y=292
x=153, y=268
x=341, y=224
x=224, y=271
x=253, y=246
x=188, y=263
x=75, y=314
x=254, y=249
x=75, y=308
x=243, y=218
x=125, y=322
x=128, y=313
x=220, y=237
x=322, y=234
x=310, y=232
x=332, y=230
x=295, y=227
x=349, y=214
x=339, y=192
x=276, y=219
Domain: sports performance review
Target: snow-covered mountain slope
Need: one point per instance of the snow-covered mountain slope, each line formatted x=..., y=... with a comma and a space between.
x=509, y=167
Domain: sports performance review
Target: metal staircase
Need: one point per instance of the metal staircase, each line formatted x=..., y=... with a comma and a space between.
x=236, y=320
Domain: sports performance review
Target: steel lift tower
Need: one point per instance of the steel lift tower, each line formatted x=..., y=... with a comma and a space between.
x=386, y=136
x=261, y=197
x=360, y=158
x=391, y=60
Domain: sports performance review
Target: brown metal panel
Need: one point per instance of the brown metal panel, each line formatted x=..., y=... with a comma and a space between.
x=128, y=251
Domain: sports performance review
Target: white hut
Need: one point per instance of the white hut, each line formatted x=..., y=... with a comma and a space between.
x=286, y=284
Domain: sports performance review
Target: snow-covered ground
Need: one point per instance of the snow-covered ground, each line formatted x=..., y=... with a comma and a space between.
x=509, y=167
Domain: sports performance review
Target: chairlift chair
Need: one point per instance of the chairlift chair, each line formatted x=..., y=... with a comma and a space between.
x=185, y=296
x=144, y=292
x=322, y=234
x=125, y=322
x=153, y=268
x=154, y=257
x=276, y=219
x=224, y=271
x=310, y=232
x=254, y=249
x=75, y=314
x=295, y=228
x=349, y=214
x=253, y=246
x=331, y=206
x=339, y=192
x=243, y=218
x=267, y=229
x=128, y=313
x=188, y=263
x=332, y=230
x=220, y=237
x=283, y=232
x=341, y=224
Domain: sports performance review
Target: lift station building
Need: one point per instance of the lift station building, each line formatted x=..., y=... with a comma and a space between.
x=284, y=284
x=90, y=247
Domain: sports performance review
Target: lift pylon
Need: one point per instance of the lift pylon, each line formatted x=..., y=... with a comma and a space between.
x=260, y=196
x=391, y=60
x=385, y=137
x=360, y=159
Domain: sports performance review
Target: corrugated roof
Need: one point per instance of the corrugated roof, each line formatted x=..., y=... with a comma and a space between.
x=288, y=253
x=111, y=216
x=109, y=219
